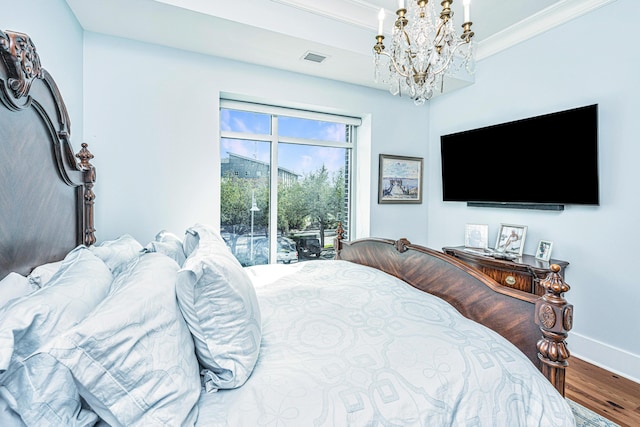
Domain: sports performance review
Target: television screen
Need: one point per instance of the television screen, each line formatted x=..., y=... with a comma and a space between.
x=548, y=159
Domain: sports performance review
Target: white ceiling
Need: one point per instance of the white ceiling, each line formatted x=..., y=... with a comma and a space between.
x=278, y=33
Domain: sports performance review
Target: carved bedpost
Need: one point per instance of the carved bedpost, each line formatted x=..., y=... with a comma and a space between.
x=554, y=316
x=89, y=177
x=339, y=231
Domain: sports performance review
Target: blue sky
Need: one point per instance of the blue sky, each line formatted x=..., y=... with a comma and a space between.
x=301, y=159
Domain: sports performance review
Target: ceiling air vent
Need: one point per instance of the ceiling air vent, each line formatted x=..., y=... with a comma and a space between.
x=314, y=57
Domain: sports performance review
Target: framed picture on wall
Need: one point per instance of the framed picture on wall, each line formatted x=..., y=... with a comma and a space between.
x=511, y=239
x=400, y=179
x=543, y=250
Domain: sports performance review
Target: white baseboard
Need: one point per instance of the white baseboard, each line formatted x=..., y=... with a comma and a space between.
x=615, y=360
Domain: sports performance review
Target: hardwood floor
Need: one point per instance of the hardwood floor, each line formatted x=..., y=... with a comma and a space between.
x=614, y=397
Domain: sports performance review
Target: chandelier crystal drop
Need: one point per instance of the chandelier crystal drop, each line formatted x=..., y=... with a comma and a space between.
x=424, y=47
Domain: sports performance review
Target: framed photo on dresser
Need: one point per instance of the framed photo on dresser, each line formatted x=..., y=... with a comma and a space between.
x=543, y=250
x=511, y=239
x=476, y=236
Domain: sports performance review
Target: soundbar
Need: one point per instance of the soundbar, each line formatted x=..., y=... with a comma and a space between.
x=536, y=206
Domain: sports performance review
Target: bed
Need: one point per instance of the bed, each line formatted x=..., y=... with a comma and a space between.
x=175, y=332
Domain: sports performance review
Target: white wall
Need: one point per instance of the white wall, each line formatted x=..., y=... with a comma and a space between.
x=58, y=38
x=152, y=122
x=589, y=60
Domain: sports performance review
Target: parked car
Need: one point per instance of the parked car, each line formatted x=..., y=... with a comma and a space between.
x=286, y=251
x=308, y=247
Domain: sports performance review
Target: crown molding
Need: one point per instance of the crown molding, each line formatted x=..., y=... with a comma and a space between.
x=361, y=13
x=542, y=21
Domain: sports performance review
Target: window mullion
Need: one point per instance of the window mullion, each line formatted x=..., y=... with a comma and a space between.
x=273, y=192
x=303, y=141
x=245, y=136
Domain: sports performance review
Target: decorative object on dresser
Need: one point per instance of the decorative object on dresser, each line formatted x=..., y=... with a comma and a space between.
x=511, y=239
x=543, y=251
x=523, y=274
x=400, y=179
x=476, y=236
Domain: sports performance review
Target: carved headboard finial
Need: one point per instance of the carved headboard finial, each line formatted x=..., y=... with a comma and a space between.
x=401, y=245
x=85, y=156
x=554, y=316
x=339, y=231
x=22, y=62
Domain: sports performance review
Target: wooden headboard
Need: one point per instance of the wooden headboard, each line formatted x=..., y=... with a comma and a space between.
x=46, y=197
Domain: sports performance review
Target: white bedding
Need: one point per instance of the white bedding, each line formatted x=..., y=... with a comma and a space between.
x=339, y=344
x=345, y=344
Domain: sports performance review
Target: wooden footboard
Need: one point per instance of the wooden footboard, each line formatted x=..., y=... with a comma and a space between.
x=536, y=325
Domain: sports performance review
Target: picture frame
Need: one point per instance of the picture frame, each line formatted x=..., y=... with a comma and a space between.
x=400, y=179
x=543, y=250
x=511, y=239
x=476, y=236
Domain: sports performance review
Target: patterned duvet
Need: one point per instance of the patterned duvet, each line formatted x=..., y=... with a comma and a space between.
x=348, y=345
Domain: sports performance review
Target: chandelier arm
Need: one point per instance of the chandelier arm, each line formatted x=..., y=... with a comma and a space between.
x=449, y=58
x=439, y=36
x=395, y=65
x=406, y=37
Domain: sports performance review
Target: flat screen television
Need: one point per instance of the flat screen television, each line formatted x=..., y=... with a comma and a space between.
x=542, y=162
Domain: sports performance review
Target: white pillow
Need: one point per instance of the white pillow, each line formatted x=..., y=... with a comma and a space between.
x=78, y=286
x=168, y=244
x=14, y=286
x=40, y=275
x=193, y=235
x=220, y=306
x=117, y=253
x=133, y=357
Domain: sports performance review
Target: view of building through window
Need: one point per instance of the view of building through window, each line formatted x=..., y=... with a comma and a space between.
x=284, y=184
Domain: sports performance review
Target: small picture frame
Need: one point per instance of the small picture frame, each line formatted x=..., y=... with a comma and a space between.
x=400, y=179
x=511, y=239
x=476, y=236
x=543, y=250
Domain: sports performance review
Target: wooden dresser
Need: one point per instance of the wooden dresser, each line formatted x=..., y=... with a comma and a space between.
x=522, y=273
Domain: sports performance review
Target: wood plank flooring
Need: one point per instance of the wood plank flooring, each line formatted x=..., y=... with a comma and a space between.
x=615, y=398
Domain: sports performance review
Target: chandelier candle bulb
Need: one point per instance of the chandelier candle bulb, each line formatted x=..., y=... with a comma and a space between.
x=380, y=21
x=400, y=4
x=465, y=4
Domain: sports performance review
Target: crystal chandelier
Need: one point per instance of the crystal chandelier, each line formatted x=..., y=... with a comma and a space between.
x=424, y=47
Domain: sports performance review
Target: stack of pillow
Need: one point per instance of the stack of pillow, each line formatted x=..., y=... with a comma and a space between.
x=127, y=333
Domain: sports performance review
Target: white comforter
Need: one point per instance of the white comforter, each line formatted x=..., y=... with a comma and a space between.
x=347, y=345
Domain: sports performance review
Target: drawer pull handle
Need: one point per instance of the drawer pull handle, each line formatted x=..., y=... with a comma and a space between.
x=510, y=280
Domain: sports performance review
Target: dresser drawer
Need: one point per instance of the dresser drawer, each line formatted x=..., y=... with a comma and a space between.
x=511, y=279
